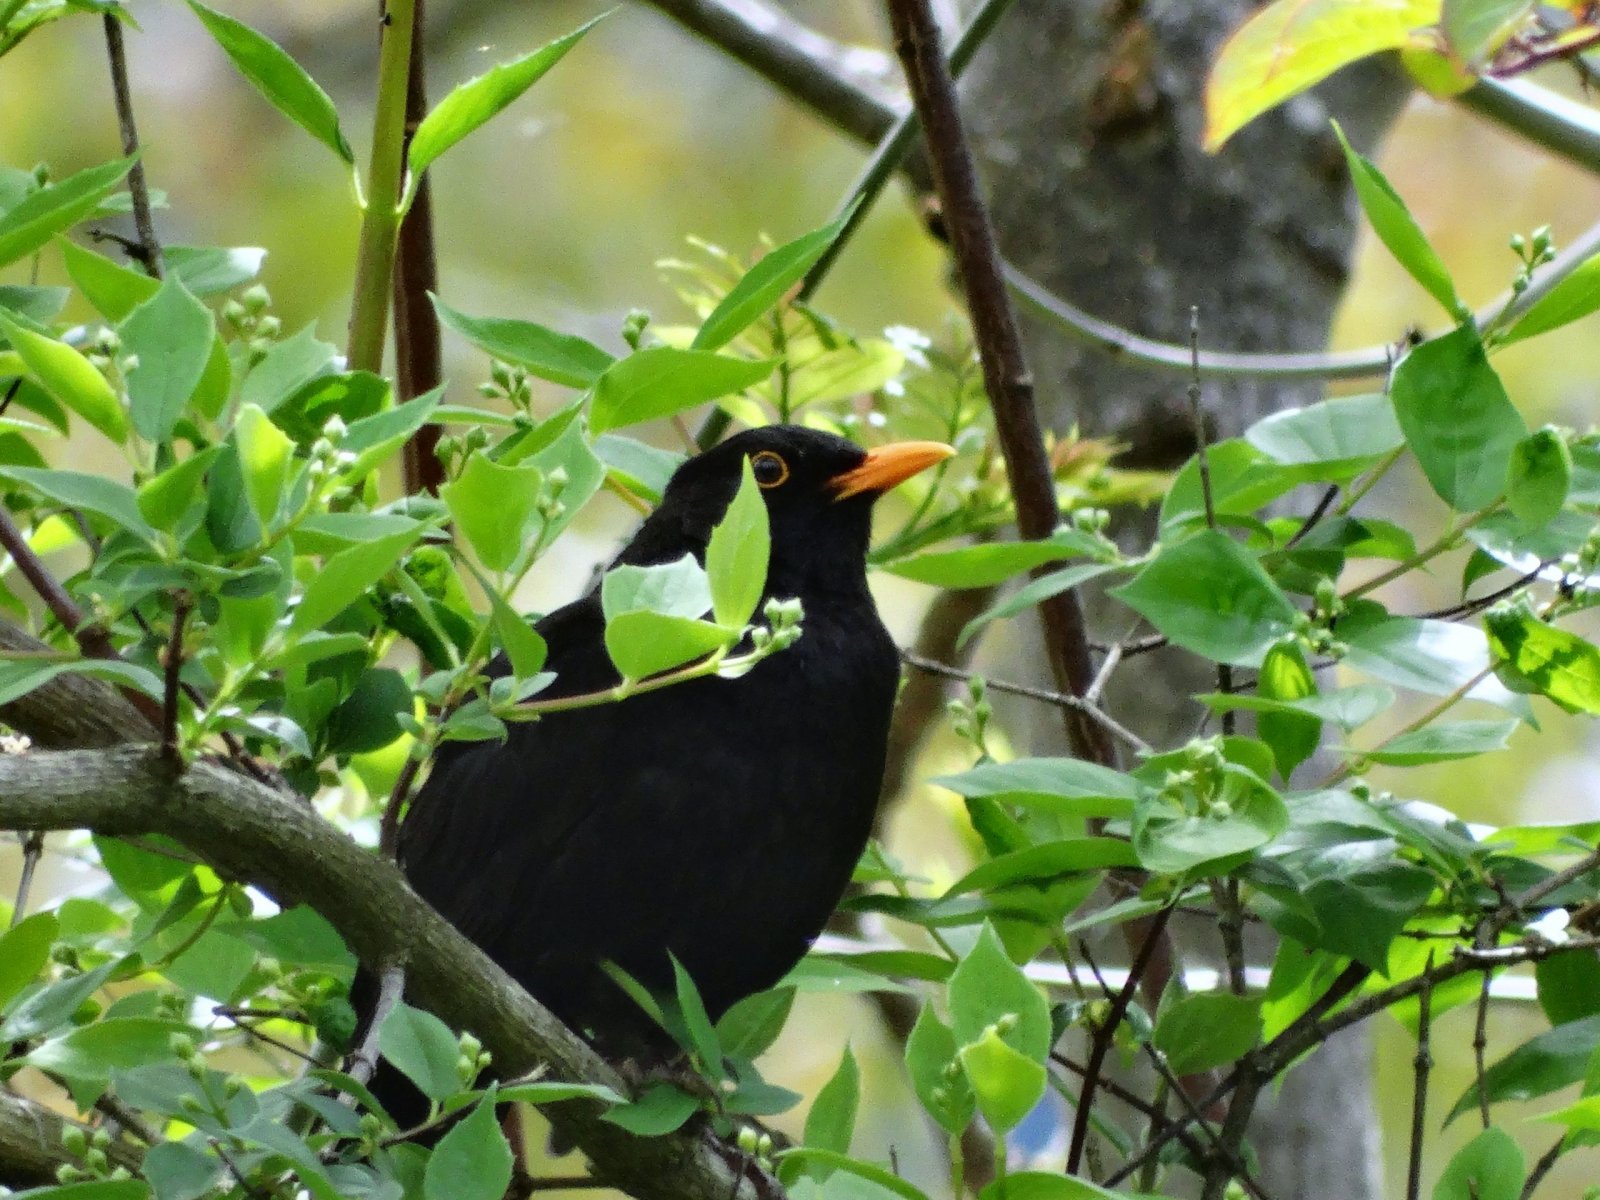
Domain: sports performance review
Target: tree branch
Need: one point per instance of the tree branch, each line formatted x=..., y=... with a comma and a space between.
x=30, y=1143
x=255, y=835
x=71, y=711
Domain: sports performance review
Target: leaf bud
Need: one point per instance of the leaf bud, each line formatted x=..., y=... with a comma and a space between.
x=120, y=1174
x=747, y=1139
x=256, y=298
x=234, y=313
x=74, y=1140
x=67, y=1173
x=95, y=1160
x=269, y=327
x=100, y=1139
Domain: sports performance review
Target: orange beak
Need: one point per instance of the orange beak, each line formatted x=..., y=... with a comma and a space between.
x=887, y=466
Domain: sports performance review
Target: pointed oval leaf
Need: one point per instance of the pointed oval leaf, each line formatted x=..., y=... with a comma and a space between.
x=265, y=452
x=1005, y=1083
x=473, y=1161
x=1539, y=478
x=1573, y=298
x=987, y=987
x=346, y=576
x=562, y=358
x=281, y=80
x=644, y=643
x=42, y=214
x=472, y=103
x=171, y=335
x=493, y=507
x=663, y=380
x=736, y=557
x=70, y=378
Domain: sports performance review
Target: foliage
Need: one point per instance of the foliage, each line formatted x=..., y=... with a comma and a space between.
x=256, y=579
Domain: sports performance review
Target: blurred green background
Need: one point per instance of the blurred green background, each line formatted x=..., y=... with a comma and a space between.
x=558, y=211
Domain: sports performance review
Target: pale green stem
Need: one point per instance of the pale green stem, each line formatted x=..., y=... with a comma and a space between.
x=1433, y=714
x=1447, y=541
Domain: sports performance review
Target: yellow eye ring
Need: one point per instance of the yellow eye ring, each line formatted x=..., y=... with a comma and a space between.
x=769, y=468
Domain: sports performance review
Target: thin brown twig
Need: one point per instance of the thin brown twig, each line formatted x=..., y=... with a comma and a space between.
x=181, y=605
x=1421, y=1065
x=1547, y=1160
x=389, y=823
x=149, y=251
x=1105, y=1031
x=115, y=1110
x=1480, y=1047
x=1060, y=699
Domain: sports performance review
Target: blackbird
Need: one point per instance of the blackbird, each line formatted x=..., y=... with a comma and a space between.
x=718, y=819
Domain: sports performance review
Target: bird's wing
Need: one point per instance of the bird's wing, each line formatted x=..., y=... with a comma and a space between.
x=489, y=809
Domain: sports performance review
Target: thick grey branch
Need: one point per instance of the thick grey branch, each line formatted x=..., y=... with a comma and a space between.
x=254, y=834
x=30, y=1143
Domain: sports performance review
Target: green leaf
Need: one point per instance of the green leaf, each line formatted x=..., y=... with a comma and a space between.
x=423, y=1049
x=663, y=380
x=1457, y=419
x=1489, y=1167
x=1211, y=596
x=696, y=1023
x=1345, y=429
x=345, y=577
x=832, y=1118
x=660, y=1110
x=170, y=334
x=92, y=1052
x=1434, y=657
x=1046, y=862
x=494, y=508
x=1539, y=478
x=987, y=987
x=1208, y=1030
x=286, y=368
x=1047, y=1185
x=1569, y=986
x=1444, y=742
x=520, y=640
x=265, y=453
x=764, y=284
x=993, y=562
x=21, y=676
x=210, y=270
x=1474, y=29
x=24, y=951
x=750, y=1027
x=930, y=1056
x=1575, y=297
x=561, y=358
x=94, y=493
x=164, y=498
x=70, y=378
x=1069, y=786
x=1398, y=229
x=179, y=1171
x=679, y=588
x=1349, y=708
x=1293, y=735
x=100, y=1189
x=472, y=1161
x=1005, y=1083
x=736, y=557
x=279, y=78
x=1531, y=656
x=1036, y=592
x=642, y=644
x=472, y=103
x=1553, y=1060
x=114, y=290
x=1174, y=838
x=42, y=214
x=1290, y=45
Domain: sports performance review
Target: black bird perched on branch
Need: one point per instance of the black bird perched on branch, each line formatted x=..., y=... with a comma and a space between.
x=718, y=819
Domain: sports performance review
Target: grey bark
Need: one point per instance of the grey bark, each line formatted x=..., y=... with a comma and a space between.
x=1088, y=117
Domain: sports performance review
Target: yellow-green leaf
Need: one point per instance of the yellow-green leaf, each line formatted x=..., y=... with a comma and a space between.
x=70, y=378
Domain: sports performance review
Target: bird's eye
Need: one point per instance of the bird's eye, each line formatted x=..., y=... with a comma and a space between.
x=769, y=468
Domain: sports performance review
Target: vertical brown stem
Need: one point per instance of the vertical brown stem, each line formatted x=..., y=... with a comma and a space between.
x=149, y=247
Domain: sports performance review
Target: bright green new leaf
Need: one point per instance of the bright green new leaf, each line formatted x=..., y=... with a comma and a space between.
x=265, y=453
x=70, y=378
x=930, y=1056
x=42, y=214
x=277, y=77
x=1539, y=478
x=764, y=284
x=1006, y=1084
x=520, y=640
x=562, y=358
x=170, y=336
x=1036, y=592
x=1537, y=658
x=24, y=951
x=1457, y=419
x=987, y=987
x=663, y=380
x=473, y=1160
x=1208, y=1030
x=113, y=289
x=644, y=643
x=1574, y=297
x=1552, y=1060
x=1293, y=735
x=164, y=498
x=832, y=1119
x=736, y=557
x=345, y=578
x=1475, y=29
x=1489, y=1167
x=472, y=103
x=1349, y=708
x=1211, y=596
x=1049, y=1185
x=1173, y=838
x=494, y=507
x=1290, y=45
x=1398, y=229
x=1047, y=862
x=287, y=367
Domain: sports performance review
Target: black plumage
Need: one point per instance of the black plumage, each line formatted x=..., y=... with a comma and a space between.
x=718, y=819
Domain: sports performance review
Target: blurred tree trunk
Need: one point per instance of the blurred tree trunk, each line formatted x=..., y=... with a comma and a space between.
x=1087, y=117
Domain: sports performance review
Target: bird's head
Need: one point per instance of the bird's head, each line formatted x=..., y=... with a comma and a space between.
x=818, y=488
